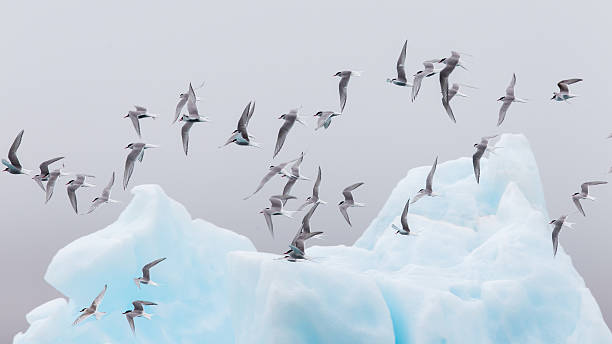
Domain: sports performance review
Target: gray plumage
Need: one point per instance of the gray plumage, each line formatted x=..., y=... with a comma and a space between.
x=297, y=248
x=13, y=166
x=136, y=115
x=405, y=230
x=190, y=119
x=92, y=309
x=584, y=194
x=276, y=208
x=427, y=71
x=104, y=197
x=508, y=99
x=401, y=80
x=563, y=93
x=315, y=192
x=138, y=311
x=481, y=148
x=274, y=170
x=349, y=201
x=146, y=275
x=44, y=172
x=450, y=62
x=73, y=186
x=345, y=77
x=558, y=223
x=240, y=136
x=136, y=153
x=325, y=118
x=428, y=191
x=289, y=120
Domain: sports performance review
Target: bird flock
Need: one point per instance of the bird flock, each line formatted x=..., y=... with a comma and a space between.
x=444, y=67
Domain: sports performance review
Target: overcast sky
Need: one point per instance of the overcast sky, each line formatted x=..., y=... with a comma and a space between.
x=70, y=70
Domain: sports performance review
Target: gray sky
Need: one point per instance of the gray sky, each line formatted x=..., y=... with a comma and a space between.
x=70, y=70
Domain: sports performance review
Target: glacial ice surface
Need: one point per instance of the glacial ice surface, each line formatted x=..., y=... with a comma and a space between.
x=480, y=269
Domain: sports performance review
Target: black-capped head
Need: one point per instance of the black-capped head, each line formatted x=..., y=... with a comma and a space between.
x=129, y=146
x=341, y=202
x=422, y=190
x=70, y=182
x=126, y=312
x=318, y=113
x=500, y=99
x=551, y=222
x=82, y=310
x=338, y=74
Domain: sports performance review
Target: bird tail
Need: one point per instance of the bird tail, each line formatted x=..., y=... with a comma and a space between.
x=254, y=144
x=153, y=284
x=321, y=201
x=569, y=224
x=289, y=213
x=356, y=72
x=99, y=315
x=113, y=201
x=147, y=315
x=395, y=227
x=87, y=185
x=360, y=204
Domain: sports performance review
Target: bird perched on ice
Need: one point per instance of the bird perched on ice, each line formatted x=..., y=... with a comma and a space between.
x=297, y=249
x=584, y=194
x=92, y=309
x=146, y=275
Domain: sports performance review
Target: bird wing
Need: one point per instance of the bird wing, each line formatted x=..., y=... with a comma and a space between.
x=449, y=110
x=185, y=135
x=282, y=133
x=585, y=186
x=510, y=88
x=129, y=165
x=404, y=219
x=563, y=84
x=271, y=173
x=306, y=220
x=95, y=204
x=51, y=185
x=109, y=186
x=277, y=202
x=44, y=167
x=244, y=121
x=502, y=112
x=98, y=299
x=578, y=205
x=179, y=107
x=12, y=154
x=315, y=188
x=130, y=320
x=140, y=108
x=290, y=183
x=401, y=70
x=344, y=213
x=429, y=180
x=145, y=269
x=81, y=317
x=348, y=196
x=38, y=180
x=134, y=118
x=416, y=84
x=555, y=238
x=192, y=108
x=295, y=168
x=476, y=162
x=72, y=197
x=139, y=303
x=268, y=218
x=342, y=88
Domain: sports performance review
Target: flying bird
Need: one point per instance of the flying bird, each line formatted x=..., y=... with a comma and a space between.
x=295, y=169
x=297, y=247
x=451, y=62
x=136, y=152
x=105, y=197
x=92, y=310
x=560, y=222
x=325, y=118
x=481, y=148
x=563, y=94
x=274, y=170
x=138, y=311
x=454, y=91
x=428, y=191
x=315, y=193
x=427, y=71
x=344, y=76
x=53, y=177
x=44, y=172
x=136, y=115
x=183, y=97
x=276, y=208
x=146, y=275
x=240, y=136
x=401, y=70
x=349, y=201
x=190, y=119
x=508, y=99
x=405, y=230
x=13, y=166
x=584, y=194
x=72, y=186
x=289, y=120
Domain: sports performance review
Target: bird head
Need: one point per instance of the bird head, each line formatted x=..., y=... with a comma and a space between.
x=70, y=182
x=442, y=60
x=475, y=144
x=338, y=74
x=82, y=310
x=5, y=169
x=129, y=146
x=551, y=222
x=95, y=199
x=309, y=198
x=553, y=97
x=318, y=113
x=500, y=99
x=341, y=202
x=422, y=190
x=126, y=312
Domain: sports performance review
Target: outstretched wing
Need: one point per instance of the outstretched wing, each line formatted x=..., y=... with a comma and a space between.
x=429, y=181
x=12, y=154
x=401, y=70
x=44, y=167
x=348, y=196
x=145, y=269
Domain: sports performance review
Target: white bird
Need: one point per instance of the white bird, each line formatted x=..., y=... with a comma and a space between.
x=349, y=201
x=563, y=94
x=508, y=99
x=44, y=172
x=53, y=177
x=560, y=222
x=138, y=311
x=274, y=170
x=240, y=136
x=405, y=230
x=190, y=119
x=451, y=62
x=13, y=166
x=73, y=185
x=183, y=97
x=146, y=275
x=454, y=91
x=276, y=208
x=92, y=309
x=427, y=71
x=289, y=120
x=428, y=191
x=344, y=76
x=136, y=115
x=401, y=69
x=584, y=194
x=325, y=118
x=315, y=193
x=136, y=152
x=105, y=197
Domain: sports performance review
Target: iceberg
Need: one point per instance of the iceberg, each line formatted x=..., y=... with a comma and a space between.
x=479, y=269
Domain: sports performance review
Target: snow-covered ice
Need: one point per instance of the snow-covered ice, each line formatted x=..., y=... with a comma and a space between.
x=480, y=270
